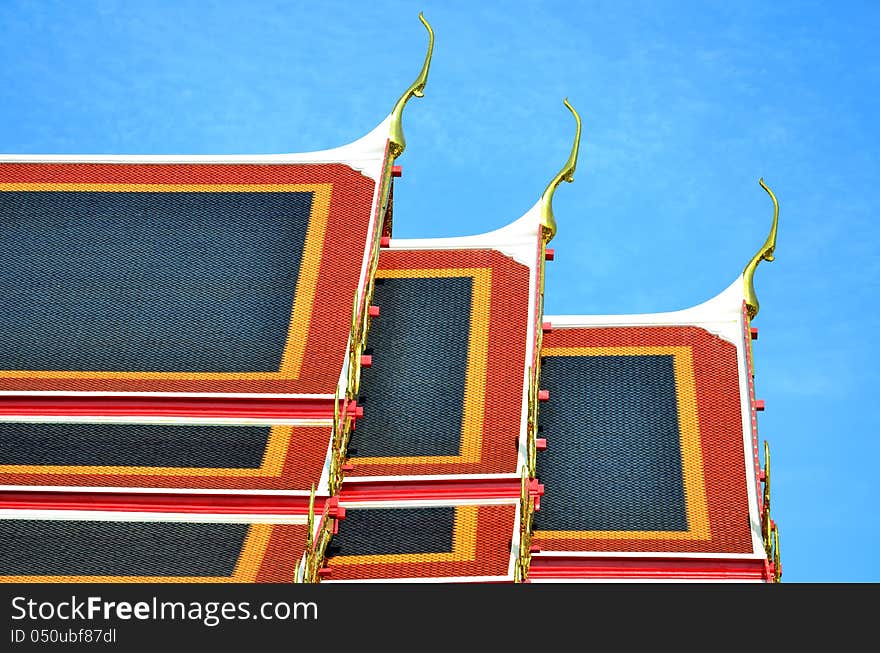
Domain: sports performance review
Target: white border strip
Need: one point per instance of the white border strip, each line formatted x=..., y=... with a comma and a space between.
x=516, y=240
x=720, y=315
x=361, y=155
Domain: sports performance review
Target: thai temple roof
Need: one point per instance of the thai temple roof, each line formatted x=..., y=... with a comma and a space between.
x=227, y=368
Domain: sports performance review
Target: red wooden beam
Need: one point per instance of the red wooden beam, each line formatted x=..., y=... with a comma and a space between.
x=402, y=490
x=168, y=406
x=648, y=568
x=227, y=504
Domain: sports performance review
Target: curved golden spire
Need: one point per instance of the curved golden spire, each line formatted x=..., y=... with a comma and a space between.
x=548, y=221
x=417, y=88
x=763, y=254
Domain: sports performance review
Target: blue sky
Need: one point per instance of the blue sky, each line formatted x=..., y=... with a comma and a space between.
x=685, y=105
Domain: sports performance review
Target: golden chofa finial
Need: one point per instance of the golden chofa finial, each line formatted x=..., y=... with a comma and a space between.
x=764, y=254
x=548, y=221
x=398, y=142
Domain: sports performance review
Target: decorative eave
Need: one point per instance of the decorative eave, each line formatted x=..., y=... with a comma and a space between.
x=365, y=155
x=722, y=314
x=725, y=317
x=515, y=239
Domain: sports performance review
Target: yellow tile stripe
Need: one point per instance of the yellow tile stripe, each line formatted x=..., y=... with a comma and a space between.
x=306, y=284
x=252, y=553
x=690, y=445
x=475, y=375
x=272, y=465
x=464, y=545
x=294, y=348
x=254, y=548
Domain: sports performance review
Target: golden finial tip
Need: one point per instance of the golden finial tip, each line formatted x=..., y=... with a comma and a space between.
x=548, y=220
x=417, y=89
x=766, y=253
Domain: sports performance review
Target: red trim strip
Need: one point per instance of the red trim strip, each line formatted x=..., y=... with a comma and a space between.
x=402, y=490
x=292, y=407
x=623, y=568
x=753, y=416
x=226, y=504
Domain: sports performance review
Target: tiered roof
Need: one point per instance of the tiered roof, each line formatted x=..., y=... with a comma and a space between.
x=226, y=368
